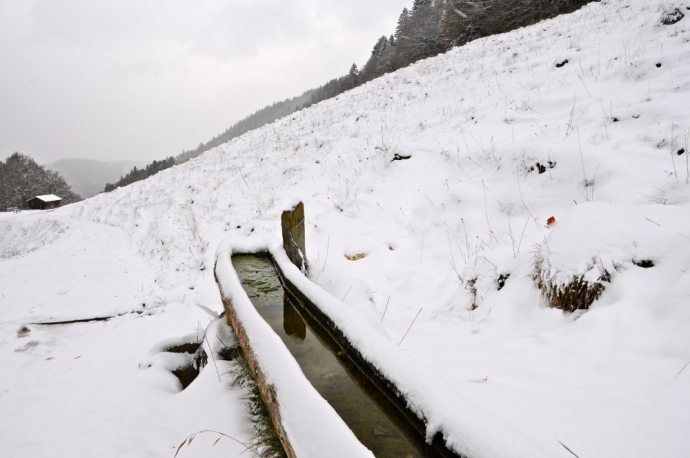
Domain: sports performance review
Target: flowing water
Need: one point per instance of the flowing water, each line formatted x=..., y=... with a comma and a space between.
x=374, y=420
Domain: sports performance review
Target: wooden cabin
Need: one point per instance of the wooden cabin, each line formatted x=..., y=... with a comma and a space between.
x=44, y=202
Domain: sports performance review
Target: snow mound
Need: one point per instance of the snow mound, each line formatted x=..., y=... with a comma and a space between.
x=595, y=241
x=20, y=236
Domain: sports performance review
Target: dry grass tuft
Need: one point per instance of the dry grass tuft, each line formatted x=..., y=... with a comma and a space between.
x=23, y=331
x=188, y=441
x=355, y=257
x=576, y=294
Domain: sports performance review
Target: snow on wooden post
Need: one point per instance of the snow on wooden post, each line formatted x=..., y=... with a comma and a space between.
x=292, y=221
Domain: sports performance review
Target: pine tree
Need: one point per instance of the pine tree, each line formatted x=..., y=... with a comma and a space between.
x=354, y=72
x=379, y=47
x=421, y=35
x=372, y=69
x=419, y=4
x=402, y=22
x=351, y=81
x=467, y=20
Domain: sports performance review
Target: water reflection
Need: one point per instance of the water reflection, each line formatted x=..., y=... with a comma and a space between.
x=328, y=369
x=293, y=324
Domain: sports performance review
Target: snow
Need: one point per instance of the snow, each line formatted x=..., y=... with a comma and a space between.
x=500, y=140
x=22, y=236
x=49, y=198
x=78, y=389
x=597, y=237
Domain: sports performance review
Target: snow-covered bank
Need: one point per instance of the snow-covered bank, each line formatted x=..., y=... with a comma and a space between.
x=500, y=139
x=310, y=422
x=77, y=389
x=313, y=428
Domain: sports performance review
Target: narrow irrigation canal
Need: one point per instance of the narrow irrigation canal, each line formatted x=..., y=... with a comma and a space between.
x=375, y=420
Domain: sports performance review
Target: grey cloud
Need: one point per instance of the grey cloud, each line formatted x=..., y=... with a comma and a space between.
x=144, y=80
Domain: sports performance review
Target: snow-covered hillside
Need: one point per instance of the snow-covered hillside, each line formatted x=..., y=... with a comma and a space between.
x=583, y=118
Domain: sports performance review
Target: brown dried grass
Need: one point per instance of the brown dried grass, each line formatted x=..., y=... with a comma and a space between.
x=355, y=257
x=577, y=294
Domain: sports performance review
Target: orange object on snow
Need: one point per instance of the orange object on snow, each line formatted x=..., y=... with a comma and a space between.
x=550, y=221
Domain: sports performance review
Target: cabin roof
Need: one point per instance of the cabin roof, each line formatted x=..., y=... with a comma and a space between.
x=47, y=198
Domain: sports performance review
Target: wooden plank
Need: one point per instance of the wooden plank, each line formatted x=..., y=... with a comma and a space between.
x=268, y=392
x=292, y=222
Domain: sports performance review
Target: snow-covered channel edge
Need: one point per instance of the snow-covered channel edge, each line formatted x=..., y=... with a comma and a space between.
x=313, y=427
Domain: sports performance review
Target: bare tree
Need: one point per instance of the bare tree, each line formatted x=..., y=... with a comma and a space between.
x=21, y=178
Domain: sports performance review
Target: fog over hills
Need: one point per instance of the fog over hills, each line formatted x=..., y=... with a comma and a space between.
x=88, y=177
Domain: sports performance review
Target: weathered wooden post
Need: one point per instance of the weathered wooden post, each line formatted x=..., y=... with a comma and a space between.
x=292, y=221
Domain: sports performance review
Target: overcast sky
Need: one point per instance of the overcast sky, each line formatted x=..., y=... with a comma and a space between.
x=145, y=80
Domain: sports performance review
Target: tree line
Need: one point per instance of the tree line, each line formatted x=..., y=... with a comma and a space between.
x=428, y=28
x=21, y=178
x=432, y=27
x=137, y=174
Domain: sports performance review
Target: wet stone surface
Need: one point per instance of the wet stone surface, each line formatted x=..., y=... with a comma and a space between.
x=330, y=371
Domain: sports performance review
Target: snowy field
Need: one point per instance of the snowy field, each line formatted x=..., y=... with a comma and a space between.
x=77, y=389
x=583, y=118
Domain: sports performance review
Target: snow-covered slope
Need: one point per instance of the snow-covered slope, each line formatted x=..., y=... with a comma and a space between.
x=77, y=390
x=583, y=118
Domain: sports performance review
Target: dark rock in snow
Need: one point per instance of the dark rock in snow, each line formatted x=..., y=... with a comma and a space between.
x=672, y=17
x=501, y=282
x=644, y=263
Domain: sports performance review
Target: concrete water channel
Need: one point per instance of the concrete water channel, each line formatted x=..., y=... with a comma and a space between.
x=370, y=414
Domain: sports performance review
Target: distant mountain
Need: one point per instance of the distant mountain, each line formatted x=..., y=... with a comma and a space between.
x=88, y=177
x=265, y=116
